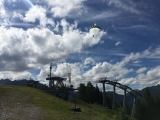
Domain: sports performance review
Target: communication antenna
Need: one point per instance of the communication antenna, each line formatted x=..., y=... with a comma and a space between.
x=69, y=73
x=50, y=69
x=49, y=76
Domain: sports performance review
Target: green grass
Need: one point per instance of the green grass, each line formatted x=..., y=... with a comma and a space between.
x=54, y=108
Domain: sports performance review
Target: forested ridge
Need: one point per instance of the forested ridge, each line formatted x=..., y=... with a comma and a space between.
x=147, y=107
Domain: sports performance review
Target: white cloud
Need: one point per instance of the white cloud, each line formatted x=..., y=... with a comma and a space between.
x=97, y=35
x=101, y=42
x=136, y=27
x=141, y=70
x=89, y=61
x=142, y=80
x=99, y=16
x=123, y=4
x=44, y=72
x=137, y=61
x=93, y=74
x=62, y=9
x=128, y=81
x=23, y=49
x=118, y=43
x=17, y=15
x=10, y=1
x=62, y=70
x=15, y=75
x=2, y=9
x=105, y=69
x=37, y=13
x=134, y=57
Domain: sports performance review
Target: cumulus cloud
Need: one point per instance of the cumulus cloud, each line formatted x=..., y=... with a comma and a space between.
x=141, y=70
x=38, y=46
x=37, y=13
x=97, y=35
x=62, y=70
x=3, y=12
x=106, y=70
x=92, y=74
x=17, y=15
x=134, y=57
x=23, y=49
x=15, y=75
x=118, y=43
x=62, y=9
x=142, y=80
x=89, y=61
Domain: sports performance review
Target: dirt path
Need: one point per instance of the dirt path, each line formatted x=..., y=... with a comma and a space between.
x=13, y=109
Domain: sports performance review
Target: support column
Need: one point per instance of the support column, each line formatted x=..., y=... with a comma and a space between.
x=114, y=99
x=124, y=101
x=134, y=108
x=50, y=81
x=104, y=96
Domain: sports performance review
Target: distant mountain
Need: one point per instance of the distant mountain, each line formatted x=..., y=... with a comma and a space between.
x=154, y=90
x=20, y=83
x=16, y=82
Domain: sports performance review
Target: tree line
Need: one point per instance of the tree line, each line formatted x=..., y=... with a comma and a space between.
x=148, y=108
x=90, y=94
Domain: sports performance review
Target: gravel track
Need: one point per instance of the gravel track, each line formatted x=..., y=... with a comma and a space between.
x=15, y=107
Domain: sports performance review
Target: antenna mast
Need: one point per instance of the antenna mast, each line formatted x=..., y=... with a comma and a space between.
x=69, y=74
x=50, y=71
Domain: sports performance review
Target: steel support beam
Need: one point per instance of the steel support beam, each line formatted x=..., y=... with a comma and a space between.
x=124, y=101
x=104, y=96
x=133, y=108
x=123, y=87
x=114, y=97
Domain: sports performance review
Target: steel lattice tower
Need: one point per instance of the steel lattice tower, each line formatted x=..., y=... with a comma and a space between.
x=124, y=101
x=123, y=87
x=104, y=96
x=114, y=97
x=134, y=108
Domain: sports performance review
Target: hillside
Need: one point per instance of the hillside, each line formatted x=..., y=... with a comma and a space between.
x=154, y=90
x=23, y=103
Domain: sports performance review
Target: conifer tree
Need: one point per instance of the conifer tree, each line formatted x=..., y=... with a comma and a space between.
x=90, y=93
x=97, y=95
x=82, y=92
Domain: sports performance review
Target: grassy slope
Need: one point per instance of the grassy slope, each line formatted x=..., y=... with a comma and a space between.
x=53, y=108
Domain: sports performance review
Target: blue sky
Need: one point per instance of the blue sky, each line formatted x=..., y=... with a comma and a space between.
x=34, y=33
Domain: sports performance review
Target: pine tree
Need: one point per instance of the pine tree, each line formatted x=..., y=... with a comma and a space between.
x=90, y=93
x=157, y=107
x=97, y=95
x=82, y=92
x=148, y=103
x=149, y=109
x=139, y=110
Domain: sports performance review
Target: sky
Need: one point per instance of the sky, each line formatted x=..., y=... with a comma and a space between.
x=35, y=33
